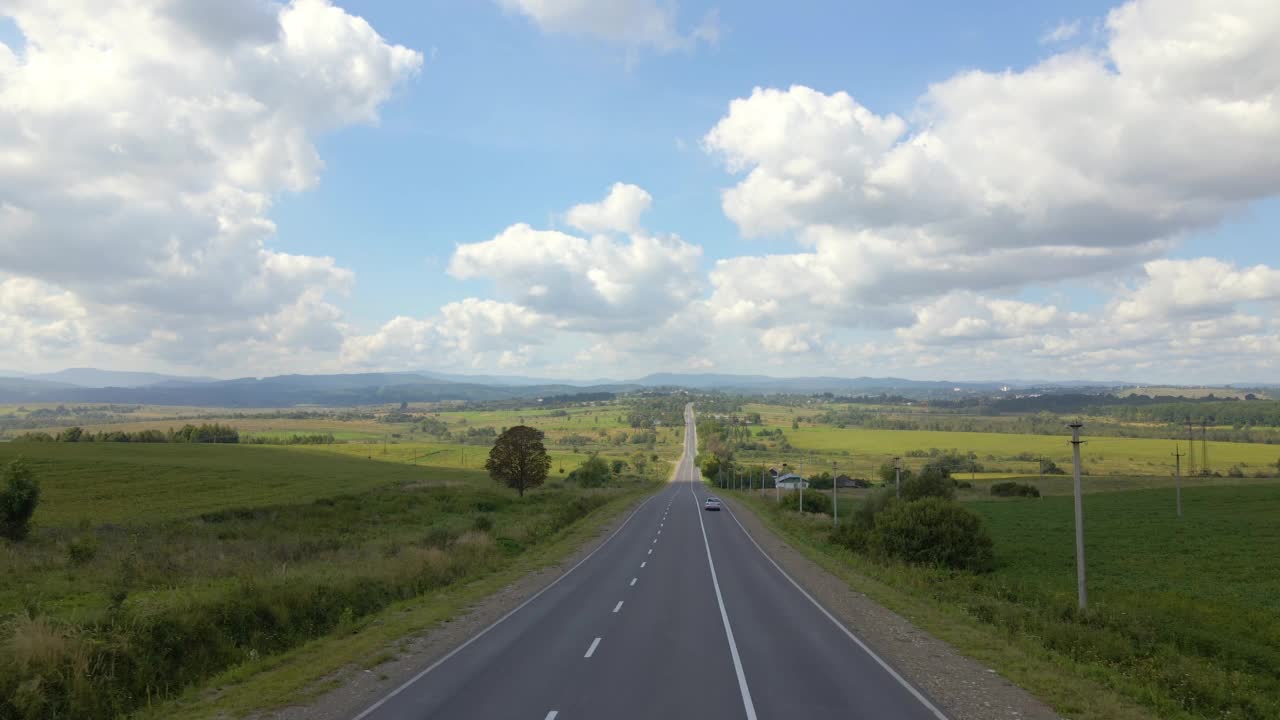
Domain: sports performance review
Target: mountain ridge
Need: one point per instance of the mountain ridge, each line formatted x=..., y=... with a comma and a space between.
x=347, y=389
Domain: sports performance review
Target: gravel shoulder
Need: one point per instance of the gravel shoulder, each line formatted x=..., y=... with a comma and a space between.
x=964, y=688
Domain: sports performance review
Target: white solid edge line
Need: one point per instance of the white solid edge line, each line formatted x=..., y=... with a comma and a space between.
x=724, y=616
x=592, y=650
x=857, y=641
x=617, y=607
x=499, y=621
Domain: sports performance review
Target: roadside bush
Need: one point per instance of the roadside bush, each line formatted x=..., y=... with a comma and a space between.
x=18, y=500
x=593, y=472
x=1013, y=489
x=82, y=549
x=438, y=537
x=483, y=523
x=889, y=475
x=851, y=535
x=814, y=502
x=575, y=510
x=928, y=484
x=932, y=532
x=864, y=516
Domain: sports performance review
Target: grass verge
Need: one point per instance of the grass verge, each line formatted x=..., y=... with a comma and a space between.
x=300, y=675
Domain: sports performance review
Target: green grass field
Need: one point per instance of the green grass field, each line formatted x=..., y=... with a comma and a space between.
x=125, y=482
x=1220, y=555
x=1184, y=614
x=153, y=567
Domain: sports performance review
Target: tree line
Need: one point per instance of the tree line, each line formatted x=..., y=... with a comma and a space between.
x=1046, y=423
x=203, y=433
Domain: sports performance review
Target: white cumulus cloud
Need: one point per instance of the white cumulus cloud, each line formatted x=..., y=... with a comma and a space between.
x=141, y=145
x=620, y=211
x=1085, y=164
x=598, y=283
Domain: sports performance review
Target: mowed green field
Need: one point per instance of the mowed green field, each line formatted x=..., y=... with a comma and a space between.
x=1184, y=613
x=1221, y=553
x=124, y=482
x=438, y=455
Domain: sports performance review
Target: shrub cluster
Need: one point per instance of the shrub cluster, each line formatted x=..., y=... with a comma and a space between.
x=928, y=485
x=814, y=502
x=294, y=439
x=933, y=531
x=930, y=530
x=1013, y=489
x=19, y=497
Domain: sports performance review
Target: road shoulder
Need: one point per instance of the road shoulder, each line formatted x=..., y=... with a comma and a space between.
x=964, y=688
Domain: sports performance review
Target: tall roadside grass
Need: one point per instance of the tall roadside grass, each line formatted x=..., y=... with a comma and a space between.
x=158, y=608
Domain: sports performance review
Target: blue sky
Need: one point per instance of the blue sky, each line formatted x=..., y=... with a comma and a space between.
x=923, y=189
x=506, y=124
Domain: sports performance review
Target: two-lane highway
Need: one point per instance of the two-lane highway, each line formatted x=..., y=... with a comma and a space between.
x=678, y=614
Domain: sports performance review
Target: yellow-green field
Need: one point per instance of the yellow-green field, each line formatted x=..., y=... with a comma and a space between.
x=1102, y=455
x=861, y=451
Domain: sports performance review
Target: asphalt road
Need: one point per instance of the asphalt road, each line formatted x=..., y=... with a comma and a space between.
x=677, y=615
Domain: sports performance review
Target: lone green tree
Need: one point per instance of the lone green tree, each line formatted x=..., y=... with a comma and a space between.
x=519, y=459
x=18, y=500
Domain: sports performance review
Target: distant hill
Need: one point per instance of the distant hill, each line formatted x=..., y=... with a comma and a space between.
x=16, y=390
x=766, y=384
x=287, y=391
x=88, y=385
x=518, y=379
x=94, y=378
